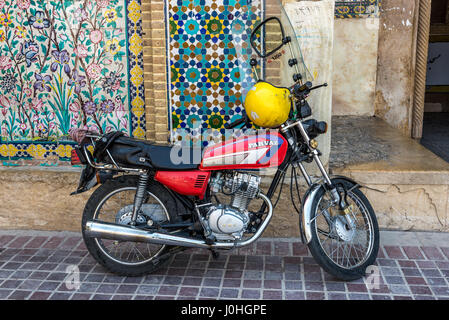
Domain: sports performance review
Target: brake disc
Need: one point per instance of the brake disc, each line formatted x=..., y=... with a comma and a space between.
x=125, y=214
x=344, y=232
x=148, y=211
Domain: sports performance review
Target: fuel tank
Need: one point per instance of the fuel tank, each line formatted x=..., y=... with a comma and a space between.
x=249, y=152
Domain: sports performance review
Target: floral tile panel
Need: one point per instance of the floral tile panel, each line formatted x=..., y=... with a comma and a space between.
x=65, y=65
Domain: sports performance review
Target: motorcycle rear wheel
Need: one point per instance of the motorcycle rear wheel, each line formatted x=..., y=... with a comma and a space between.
x=342, y=251
x=105, y=205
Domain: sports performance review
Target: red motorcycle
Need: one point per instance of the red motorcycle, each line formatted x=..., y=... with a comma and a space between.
x=154, y=200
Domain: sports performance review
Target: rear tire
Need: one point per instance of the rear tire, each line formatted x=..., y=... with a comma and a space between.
x=325, y=258
x=96, y=246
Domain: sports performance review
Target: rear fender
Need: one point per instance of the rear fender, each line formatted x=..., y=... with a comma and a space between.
x=91, y=177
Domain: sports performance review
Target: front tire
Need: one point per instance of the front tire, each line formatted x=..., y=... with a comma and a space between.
x=343, y=250
x=111, y=202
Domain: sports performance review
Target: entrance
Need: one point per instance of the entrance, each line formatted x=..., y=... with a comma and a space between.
x=435, y=134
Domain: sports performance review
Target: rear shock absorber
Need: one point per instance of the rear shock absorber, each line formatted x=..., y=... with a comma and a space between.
x=140, y=192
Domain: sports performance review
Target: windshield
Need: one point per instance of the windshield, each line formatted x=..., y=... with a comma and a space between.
x=279, y=63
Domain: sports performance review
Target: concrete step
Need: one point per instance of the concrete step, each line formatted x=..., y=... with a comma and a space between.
x=407, y=184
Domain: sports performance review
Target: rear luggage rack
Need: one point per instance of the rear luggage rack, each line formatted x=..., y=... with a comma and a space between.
x=114, y=166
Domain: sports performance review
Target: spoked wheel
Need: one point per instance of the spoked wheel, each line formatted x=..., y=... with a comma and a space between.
x=113, y=202
x=344, y=246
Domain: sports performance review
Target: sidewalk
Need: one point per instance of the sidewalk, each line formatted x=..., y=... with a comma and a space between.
x=413, y=265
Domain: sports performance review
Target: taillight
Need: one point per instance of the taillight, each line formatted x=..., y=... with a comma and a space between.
x=75, y=159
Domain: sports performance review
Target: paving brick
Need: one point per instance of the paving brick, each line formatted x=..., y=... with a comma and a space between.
x=5, y=239
x=420, y=290
x=415, y=280
x=40, y=295
x=81, y=296
x=424, y=264
x=209, y=292
x=19, y=295
x=335, y=286
x=300, y=250
x=107, y=288
x=264, y=248
x=232, y=283
x=211, y=282
x=355, y=287
x=432, y=253
x=436, y=281
x=380, y=297
x=251, y=294
x=315, y=295
x=294, y=295
x=188, y=291
x=394, y=252
x=191, y=281
x=408, y=263
x=413, y=253
x=282, y=248
x=440, y=290
x=19, y=242
x=337, y=296
x=229, y=293
x=272, y=284
x=411, y=272
x=394, y=280
x=272, y=295
x=126, y=289
x=60, y=296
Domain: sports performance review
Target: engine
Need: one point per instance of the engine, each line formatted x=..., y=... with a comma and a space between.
x=229, y=222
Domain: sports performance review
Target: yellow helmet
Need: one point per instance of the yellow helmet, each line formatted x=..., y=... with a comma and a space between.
x=267, y=106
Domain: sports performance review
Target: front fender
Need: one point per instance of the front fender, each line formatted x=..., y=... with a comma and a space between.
x=307, y=206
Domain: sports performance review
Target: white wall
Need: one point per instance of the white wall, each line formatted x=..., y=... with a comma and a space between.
x=355, y=66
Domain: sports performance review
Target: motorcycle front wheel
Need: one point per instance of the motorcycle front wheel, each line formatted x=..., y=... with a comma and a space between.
x=344, y=247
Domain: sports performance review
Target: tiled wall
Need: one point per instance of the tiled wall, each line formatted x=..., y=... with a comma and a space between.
x=64, y=65
x=56, y=59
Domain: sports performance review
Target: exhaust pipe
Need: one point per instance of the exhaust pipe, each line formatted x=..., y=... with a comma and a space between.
x=105, y=230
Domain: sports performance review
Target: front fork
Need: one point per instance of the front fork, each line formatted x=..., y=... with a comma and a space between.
x=336, y=198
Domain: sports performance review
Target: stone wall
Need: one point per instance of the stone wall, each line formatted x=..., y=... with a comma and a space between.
x=395, y=68
x=39, y=199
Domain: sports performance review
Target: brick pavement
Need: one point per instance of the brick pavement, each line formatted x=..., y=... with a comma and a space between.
x=33, y=266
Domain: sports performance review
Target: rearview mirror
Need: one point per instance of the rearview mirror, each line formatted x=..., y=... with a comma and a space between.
x=268, y=37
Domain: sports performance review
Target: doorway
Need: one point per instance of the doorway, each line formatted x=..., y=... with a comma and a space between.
x=435, y=134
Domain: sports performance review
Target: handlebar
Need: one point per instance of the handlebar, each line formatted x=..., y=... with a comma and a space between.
x=303, y=90
x=242, y=120
x=235, y=123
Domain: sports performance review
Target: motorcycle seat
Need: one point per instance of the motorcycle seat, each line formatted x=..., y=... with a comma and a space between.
x=139, y=153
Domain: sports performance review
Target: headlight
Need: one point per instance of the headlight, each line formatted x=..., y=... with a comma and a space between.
x=314, y=128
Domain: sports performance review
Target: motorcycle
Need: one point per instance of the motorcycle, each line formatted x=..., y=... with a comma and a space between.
x=150, y=205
